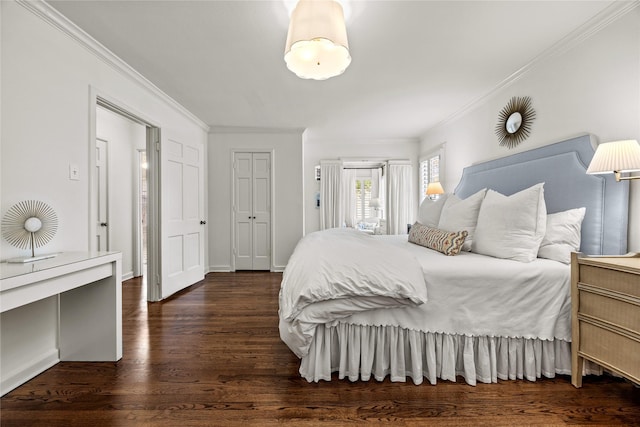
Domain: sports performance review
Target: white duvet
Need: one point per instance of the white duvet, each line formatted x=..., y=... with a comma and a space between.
x=335, y=273
x=469, y=294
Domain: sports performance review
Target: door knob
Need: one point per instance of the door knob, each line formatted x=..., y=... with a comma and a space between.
x=203, y=222
x=103, y=224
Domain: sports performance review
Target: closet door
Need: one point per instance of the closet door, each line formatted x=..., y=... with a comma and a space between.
x=252, y=211
x=261, y=254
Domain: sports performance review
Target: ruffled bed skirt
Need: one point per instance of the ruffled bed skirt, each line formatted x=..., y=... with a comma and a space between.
x=361, y=352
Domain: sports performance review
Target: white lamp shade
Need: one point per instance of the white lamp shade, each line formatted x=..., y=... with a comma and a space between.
x=434, y=188
x=616, y=156
x=317, y=46
x=374, y=203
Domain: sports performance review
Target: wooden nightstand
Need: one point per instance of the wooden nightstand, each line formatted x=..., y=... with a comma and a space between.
x=605, y=299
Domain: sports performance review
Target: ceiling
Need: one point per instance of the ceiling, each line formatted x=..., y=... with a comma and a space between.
x=414, y=63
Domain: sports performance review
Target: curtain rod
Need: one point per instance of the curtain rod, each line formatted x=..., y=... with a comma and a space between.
x=364, y=167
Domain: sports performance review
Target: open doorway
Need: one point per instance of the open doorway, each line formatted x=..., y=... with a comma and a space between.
x=119, y=141
x=124, y=204
x=175, y=222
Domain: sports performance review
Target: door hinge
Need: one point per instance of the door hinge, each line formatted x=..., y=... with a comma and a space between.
x=157, y=145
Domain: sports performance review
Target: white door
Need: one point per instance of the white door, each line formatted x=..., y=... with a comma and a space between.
x=252, y=211
x=181, y=214
x=101, y=192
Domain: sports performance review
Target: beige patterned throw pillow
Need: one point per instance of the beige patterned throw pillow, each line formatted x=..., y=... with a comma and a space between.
x=447, y=242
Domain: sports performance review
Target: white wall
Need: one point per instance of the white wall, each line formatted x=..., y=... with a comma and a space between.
x=287, y=215
x=46, y=82
x=316, y=150
x=592, y=88
x=124, y=138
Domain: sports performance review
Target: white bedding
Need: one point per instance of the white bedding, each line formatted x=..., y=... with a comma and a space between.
x=477, y=295
x=469, y=295
x=335, y=273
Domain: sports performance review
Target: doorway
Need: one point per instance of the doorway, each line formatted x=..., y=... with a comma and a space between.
x=119, y=184
x=119, y=141
x=252, y=210
x=175, y=213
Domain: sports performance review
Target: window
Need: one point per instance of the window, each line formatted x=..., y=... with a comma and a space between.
x=429, y=172
x=363, y=197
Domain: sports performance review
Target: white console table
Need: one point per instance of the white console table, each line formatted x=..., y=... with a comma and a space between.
x=80, y=318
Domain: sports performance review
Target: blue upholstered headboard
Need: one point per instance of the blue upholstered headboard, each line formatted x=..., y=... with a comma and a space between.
x=561, y=166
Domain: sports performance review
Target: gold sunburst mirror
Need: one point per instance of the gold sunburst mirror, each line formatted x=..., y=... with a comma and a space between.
x=514, y=121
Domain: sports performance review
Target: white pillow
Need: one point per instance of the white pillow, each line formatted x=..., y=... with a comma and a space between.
x=430, y=210
x=459, y=215
x=368, y=225
x=512, y=227
x=562, y=236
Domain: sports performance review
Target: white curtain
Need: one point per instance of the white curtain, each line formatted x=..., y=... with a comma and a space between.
x=378, y=189
x=400, y=194
x=331, y=212
x=349, y=196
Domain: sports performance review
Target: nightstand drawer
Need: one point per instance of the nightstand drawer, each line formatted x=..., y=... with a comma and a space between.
x=619, y=281
x=610, y=309
x=618, y=351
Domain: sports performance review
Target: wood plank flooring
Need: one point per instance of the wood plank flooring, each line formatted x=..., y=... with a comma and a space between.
x=211, y=356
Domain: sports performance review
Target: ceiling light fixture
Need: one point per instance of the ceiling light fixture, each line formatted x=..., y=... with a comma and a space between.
x=317, y=46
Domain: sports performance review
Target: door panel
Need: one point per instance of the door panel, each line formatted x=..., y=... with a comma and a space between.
x=261, y=211
x=252, y=211
x=173, y=185
x=191, y=189
x=243, y=211
x=182, y=209
x=192, y=250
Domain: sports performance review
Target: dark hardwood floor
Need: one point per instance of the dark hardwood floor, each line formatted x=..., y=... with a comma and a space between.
x=211, y=356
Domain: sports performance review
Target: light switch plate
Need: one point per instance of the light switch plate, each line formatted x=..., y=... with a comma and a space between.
x=74, y=172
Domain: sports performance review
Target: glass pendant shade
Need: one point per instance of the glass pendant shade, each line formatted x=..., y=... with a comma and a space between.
x=317, y=46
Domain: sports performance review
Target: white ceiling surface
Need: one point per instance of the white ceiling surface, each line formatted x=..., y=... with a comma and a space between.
x=414, y=63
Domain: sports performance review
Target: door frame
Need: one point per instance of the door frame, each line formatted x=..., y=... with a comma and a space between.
x=96, y=99
x=272, y=168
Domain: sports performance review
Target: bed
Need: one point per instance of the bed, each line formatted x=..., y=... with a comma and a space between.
x=369, y=307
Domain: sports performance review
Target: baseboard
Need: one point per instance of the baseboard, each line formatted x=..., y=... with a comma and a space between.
x=227, y=269
x=219, y=269
x=127, y=276
x=28, y=370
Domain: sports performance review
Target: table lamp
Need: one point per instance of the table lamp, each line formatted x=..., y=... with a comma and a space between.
x=616, y=157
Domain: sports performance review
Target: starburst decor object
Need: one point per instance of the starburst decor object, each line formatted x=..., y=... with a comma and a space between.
x=29, y=225
x=514, y=121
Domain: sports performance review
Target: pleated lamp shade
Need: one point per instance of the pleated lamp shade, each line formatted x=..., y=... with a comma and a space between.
x=616, y=156
x=317, y=46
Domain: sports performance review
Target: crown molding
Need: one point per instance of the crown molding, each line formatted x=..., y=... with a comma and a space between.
x=608, y=15
x=50, y=15
x=248, y=129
